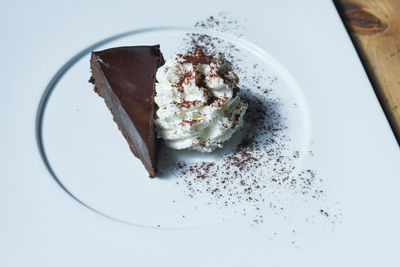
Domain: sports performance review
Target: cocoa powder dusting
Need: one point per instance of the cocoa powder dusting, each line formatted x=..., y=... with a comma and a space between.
x=185, y=78
x=259, y=165
x=186, y=103
x=196, y=57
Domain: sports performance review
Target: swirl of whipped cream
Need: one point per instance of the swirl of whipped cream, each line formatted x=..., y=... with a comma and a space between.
x=198, y=101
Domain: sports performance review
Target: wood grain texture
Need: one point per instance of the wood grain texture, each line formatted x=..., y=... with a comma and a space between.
x=374, y=26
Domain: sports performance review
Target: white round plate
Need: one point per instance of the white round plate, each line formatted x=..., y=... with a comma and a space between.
x=87, y=155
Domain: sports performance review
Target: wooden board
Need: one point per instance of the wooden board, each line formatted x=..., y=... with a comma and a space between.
x=374, y=27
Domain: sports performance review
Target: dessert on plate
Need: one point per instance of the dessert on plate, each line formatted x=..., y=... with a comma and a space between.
x=191, y=102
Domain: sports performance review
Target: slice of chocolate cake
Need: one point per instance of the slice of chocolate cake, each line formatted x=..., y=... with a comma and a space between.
x=125, y=78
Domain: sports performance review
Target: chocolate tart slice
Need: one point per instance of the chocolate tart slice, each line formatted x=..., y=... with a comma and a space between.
x=125, y=78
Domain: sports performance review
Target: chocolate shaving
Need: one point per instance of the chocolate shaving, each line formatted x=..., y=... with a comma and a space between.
x=184, y=79
x=186, y=103
x=196, y=57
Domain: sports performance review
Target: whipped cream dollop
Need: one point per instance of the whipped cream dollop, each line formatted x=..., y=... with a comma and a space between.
x=198, y=101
